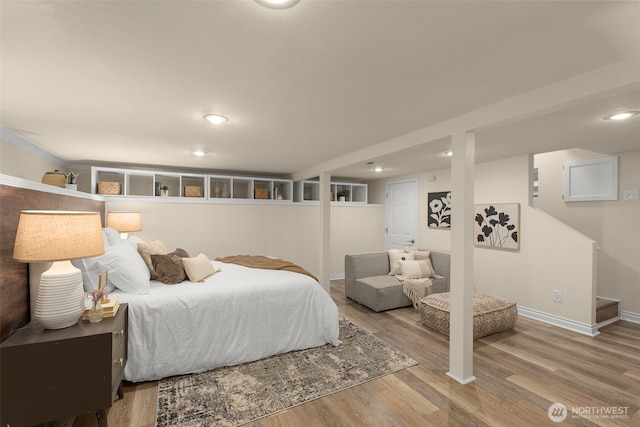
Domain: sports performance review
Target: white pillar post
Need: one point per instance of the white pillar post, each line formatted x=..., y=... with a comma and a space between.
x=325, y=227
x=461, y=296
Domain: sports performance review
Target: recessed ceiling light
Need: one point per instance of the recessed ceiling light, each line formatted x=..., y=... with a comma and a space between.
x=622, y=116
x=448, y=153
x=378, y=169
x=216, y=119
x=199, y=153
x=278, y=4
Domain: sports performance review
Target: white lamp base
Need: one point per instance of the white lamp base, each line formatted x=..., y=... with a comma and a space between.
x=60, y=300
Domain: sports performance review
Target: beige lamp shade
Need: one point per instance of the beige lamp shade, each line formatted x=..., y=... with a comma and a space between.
x=124, y=222
x=58, y=235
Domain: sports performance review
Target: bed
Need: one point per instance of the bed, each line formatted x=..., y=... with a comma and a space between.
x=237, y=315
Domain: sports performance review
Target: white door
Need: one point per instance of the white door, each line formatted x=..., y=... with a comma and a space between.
x=401, y=214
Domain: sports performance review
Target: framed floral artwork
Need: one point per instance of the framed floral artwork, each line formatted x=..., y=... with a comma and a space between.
x=439, y=210
x=497, y=226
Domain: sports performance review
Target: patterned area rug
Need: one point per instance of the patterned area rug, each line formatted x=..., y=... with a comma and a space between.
x=235, y=395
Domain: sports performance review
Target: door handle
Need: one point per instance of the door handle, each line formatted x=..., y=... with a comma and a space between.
x=411, y=241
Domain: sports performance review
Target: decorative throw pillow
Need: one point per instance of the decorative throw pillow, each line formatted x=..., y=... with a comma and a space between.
x=426, y=255
x=418, y=254
x=169, y=267
x=416, y=269
x=155, y=247
x=395, y=256
x=198, y=268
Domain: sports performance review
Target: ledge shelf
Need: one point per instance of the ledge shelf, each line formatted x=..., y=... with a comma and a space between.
x=147, y=183
x=309, y=192
x=220, y=188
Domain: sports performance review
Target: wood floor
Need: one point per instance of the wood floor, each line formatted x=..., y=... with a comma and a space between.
x=519, y=374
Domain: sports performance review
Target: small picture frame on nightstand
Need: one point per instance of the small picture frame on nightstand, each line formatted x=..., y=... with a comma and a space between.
x=102, y=279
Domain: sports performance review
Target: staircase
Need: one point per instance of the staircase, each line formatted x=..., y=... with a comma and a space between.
x=606, y=309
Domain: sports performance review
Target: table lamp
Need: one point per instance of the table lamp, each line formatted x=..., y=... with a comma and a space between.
x=58, y=236
x=124, y=222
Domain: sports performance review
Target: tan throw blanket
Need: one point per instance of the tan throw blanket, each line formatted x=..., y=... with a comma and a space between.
x=259, y=261
x=416, y=289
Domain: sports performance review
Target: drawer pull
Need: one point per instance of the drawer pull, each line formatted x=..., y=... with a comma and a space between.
x=119, y=333
x=119, y=362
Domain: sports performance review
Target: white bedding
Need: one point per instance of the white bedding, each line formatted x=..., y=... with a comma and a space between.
x=238, y=315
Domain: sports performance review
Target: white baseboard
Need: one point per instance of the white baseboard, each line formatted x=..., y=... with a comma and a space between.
x=336, y=276
x=572, y=325
x=608, y=321
x=460, y=380
x=630, y=316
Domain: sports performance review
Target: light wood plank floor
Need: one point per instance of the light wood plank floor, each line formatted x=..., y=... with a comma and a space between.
x=520, y=373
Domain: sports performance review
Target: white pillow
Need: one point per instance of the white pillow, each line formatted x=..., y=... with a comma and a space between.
x=198, y=268
x=105, y=238
x=127, y=270
x=112, y=235
x=395, y=256
x=416, y=269
x=90, y=271
x=134, y=240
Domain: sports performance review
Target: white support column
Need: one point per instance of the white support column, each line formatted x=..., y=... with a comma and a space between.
x=325, y=238
x=461, y=299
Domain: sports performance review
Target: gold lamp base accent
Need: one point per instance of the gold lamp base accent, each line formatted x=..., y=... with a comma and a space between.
x=60, y=300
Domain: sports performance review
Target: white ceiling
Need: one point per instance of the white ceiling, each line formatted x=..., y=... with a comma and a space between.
x=128, y=82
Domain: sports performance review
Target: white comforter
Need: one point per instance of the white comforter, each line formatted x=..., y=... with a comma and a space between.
x=237, y=315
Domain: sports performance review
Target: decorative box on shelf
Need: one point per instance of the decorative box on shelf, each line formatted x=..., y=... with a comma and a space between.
x=261, y=193
x=56, y=178
x=192, y=191
x=106, y=187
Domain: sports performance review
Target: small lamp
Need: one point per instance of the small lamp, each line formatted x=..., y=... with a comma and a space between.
x=124, y=222
x=58, y=236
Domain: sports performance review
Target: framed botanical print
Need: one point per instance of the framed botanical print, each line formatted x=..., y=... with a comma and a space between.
x=439, y=210
x=497, y=226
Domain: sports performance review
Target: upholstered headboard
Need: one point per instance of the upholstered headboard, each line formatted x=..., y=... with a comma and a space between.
x=17, y=195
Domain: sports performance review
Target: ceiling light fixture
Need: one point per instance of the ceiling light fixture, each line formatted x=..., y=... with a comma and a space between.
x=378, y=169
x=277, y=4
x=622, y=115
x=448, y=153
x=216, y=119
x=199, y=153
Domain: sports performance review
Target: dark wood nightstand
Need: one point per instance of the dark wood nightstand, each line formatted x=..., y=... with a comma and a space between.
x=48, y=375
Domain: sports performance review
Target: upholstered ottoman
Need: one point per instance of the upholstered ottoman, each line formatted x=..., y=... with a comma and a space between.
x=490, y=314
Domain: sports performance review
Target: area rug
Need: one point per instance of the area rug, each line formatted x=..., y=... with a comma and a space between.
x=235, y=395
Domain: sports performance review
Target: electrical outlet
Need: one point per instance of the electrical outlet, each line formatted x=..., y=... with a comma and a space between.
x=557, y=296
x=631, y=194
